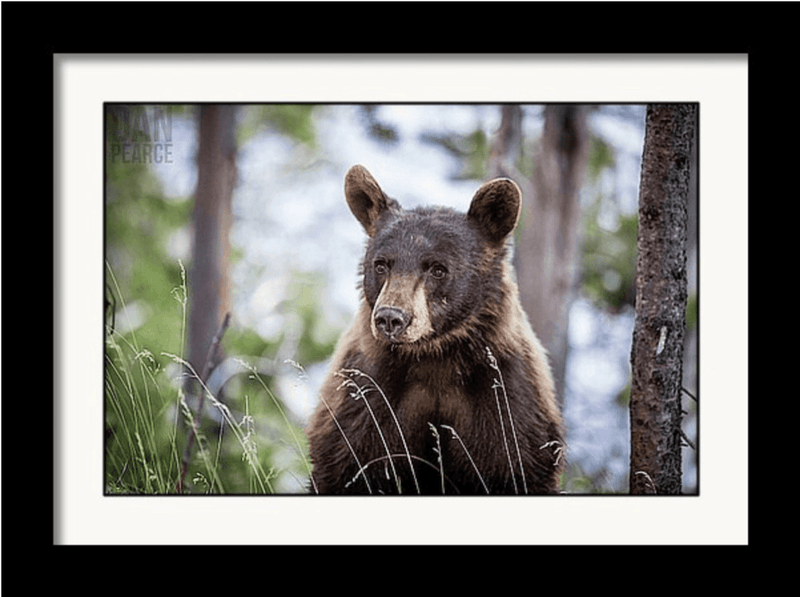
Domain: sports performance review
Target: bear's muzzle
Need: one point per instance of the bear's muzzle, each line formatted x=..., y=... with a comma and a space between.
x=391, y=322
x=401, y=311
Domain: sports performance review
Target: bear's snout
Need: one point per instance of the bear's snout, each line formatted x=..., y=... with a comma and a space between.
x=391, y=322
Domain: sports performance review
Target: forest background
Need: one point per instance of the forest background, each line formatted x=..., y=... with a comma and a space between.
x=294, y=253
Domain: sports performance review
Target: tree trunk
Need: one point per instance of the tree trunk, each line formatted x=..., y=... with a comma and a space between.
x=209, y=280
x=505, y=151
x=547, y=250
x=657, y=350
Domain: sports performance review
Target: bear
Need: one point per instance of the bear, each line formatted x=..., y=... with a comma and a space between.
x=439, y=386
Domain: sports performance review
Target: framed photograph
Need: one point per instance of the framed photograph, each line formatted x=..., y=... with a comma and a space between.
x=235, y=201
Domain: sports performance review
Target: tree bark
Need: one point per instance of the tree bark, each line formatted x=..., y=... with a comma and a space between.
x=546, y=259
x=505, y=150
x=209, y=280
x=657, y=348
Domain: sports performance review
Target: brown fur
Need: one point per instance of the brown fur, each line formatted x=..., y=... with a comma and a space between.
x=465, y=385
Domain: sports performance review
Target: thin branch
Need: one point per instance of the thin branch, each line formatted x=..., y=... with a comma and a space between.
x=687, y=440
x=207, y=368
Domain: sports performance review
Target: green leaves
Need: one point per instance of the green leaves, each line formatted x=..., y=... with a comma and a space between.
x=293, y=120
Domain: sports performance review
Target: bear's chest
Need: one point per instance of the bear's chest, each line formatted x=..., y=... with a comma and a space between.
x=431, y=396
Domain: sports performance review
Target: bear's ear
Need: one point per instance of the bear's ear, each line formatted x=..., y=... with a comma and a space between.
x=366, y=199
x=496, y=207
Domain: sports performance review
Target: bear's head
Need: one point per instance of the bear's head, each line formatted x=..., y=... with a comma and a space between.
x=428, y=271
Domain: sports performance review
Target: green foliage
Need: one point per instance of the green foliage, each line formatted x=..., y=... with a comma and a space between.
x=472, y=151
x=141, y=450
x=141, y=445
x=246, y=430
x=248, y=441
x=608, y=261
x=477, y=146
x=578, y=482
x=140, y=223
x=623, y=397
x=378, y=130
x=137, y=236
x=293, y=120
x=316, y=343
x=601, y=156
x=691, y=312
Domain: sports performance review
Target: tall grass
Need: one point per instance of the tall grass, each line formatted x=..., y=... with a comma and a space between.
x=510, y=440
x=499, y=384
x=148, y=422
x=149, y=419
x=358, y=394
x=141, y=453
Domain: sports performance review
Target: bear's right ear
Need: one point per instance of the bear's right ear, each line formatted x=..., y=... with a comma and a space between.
x=496, y=207
x=366, y=199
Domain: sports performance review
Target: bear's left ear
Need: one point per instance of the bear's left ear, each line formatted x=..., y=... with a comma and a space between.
x=366, y=199
x=496, y=207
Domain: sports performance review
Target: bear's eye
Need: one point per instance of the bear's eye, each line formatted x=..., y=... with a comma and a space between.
x=381, y=268
x=438, y=271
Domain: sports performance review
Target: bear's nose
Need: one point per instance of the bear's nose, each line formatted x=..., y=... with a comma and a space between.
x=391, y=321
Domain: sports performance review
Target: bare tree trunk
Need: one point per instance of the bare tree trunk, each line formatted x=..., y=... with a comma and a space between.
x=547, y=250
x=657, y=350
x=505, y=150
x=210, y=284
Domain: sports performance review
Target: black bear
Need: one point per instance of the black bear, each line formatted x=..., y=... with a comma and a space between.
x=439, y=386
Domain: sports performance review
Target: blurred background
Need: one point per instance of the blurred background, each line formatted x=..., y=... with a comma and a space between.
x=261, y=230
